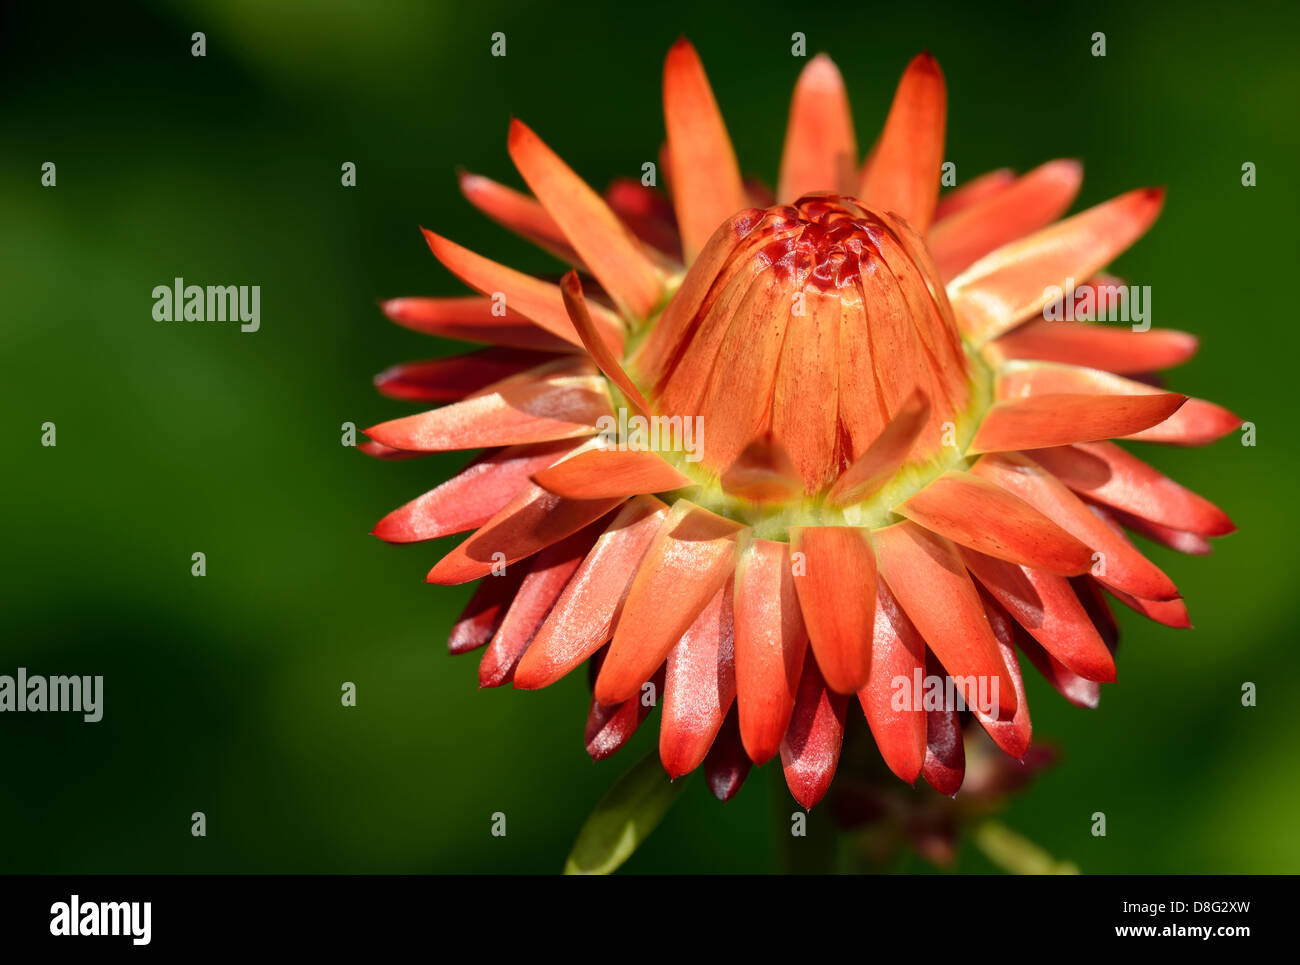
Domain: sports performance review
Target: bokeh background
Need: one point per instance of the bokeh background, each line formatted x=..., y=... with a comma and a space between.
x=222, y=693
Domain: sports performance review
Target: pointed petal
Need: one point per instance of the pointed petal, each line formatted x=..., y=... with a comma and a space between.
x=930, y=582
x=1033, y=201
x=547, y=577
x=519, y=213
x=1014, y=282
x=1124, y=566
x=762, y=473
x=809, y=369
x=472, y=320
x=1104, y=472
x=689, y=560
x=1175, y=539
x=897, y=651
x=603, y=473
x=972, y=192
x=885, y=456
x=470, y=498
x=903, y=173
x=609, y=728
x=945, y=752
x=1195, y=423
x=983, y=516
x=1077, y=690
x=1012, y=735
x=1171, y=613
x=601, y=352
x=603, y=242
x=727, y=765
x=1058, y=420
x=375, y=451
x=770, y=645
x=583, y=618
x=706, y=184
x=451, y=379
x=699, y=687
x=532, y=521
x=835, y=579
x=1047, y=607
x=536, y=300
x=487, y=607
x=810, y=749
x=1082, y=343
x=540, y=410
x=820, y=151
x=1090, y=594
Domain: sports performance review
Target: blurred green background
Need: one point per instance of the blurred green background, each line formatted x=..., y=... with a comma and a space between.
x=222, y=693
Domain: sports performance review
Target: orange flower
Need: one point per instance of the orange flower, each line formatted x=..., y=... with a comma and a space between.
x=765, y=454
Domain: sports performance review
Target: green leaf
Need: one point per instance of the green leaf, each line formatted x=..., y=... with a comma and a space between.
x=625, y=816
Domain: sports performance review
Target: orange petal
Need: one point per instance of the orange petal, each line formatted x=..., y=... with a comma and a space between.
x=699, y=687
x=804, y=403
x=519, y=213
x=706, y=184
x=1125, y=567
x=820, y=151
x=1035, y=200
x=1013, y=283
x=762, y=473
x=810, y=749
x=1195, y=423
x=604, y=243
x=471, y=497
x=537, y=300
x=1114, y=477
x=902, y=175
x=885, y=456
x=972, y=192
x=1058, y=420
x=835, y=577
x=531, y=522
x=603, y=473
x=472, y=319
x=601, y=351
x=770, y=645
x=687, y=563
x=547, y=577
x=583, y=617
x=897, y=651
x=930, y=582
x=1096, y=346
x=1047, y=607
x=556, y=407
x=985, y=517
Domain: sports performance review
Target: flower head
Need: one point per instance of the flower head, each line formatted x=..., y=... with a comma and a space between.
x=756, y=456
